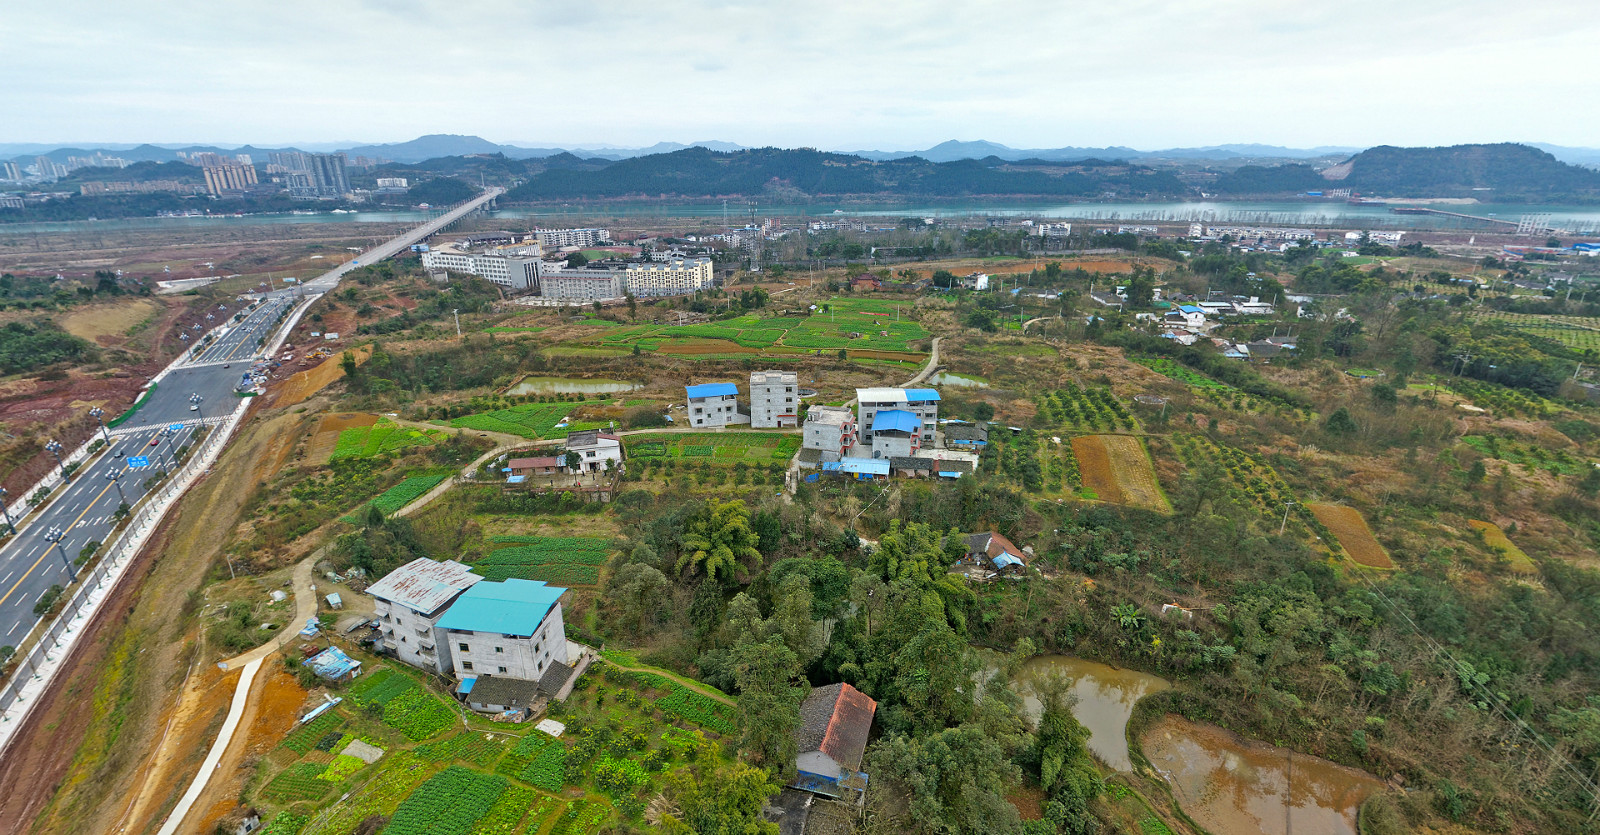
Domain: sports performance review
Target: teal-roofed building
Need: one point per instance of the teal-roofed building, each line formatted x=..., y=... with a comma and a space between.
x=509, y=628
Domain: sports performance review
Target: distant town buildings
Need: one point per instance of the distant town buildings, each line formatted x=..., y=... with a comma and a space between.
x=229, y=177
x=10, y=171
x=774, y=399
x=311, y=175
x=396, y=183
x=514, y=272
x=557, y=238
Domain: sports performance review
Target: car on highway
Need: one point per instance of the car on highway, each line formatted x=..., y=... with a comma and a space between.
x=156, y=441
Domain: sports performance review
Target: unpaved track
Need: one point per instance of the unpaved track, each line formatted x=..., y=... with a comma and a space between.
x=95, y=742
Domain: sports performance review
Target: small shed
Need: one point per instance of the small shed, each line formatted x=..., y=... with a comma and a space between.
x=499, y=694
x=332, y=664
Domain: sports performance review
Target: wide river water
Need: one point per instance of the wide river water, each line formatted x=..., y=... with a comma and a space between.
x=1288, y=212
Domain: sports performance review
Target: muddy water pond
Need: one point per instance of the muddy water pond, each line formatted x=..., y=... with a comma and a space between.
x=569, y=385
x=1106, y=696
x=1228, y=784
x=945, y=378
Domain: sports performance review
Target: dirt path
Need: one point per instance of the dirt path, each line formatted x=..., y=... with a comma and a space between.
x=686, y=682
x=927, y=370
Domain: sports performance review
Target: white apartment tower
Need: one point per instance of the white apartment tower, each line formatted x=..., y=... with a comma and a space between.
x=774, y=399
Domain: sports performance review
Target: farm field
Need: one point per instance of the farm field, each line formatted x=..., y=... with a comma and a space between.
x=1251, y=479
x=1092, y=409
x=854, y=324
x=1581, y=333
x=1502, y=401
x=530, y=420
x=406, y=492
x=721, y=447
x=1496, y=538
x=559, y=560
x=380, y=438
x=1557, y=463
x=431, y=775
x=1353, y=535
x=1118, y=469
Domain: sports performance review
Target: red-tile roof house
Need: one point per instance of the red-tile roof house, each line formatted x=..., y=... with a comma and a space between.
x=834, y=724
x=544, y=465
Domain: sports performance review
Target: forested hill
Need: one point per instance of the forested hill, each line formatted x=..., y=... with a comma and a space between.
x=1489, y=172
x=701, y=173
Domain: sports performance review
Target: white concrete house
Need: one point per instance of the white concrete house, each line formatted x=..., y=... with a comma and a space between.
x=588, y=451
x=924, y=403
x=774, y=399
x=410, y=600
x=712, y=405
x=830, y=430
x=510, y=628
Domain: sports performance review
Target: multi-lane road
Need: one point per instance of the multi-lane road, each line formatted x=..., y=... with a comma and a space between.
x=30, y=563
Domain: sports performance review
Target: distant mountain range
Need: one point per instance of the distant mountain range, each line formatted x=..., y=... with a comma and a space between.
x=435, y=146
x=1501, y=172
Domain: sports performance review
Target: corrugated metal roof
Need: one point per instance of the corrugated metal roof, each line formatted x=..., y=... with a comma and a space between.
x=509, y=607
x=712, y=390
x=922, y=396
x=896, y=420
x=871, y=466
x=423, y=585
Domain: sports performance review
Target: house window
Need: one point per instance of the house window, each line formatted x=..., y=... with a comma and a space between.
x=399, y=621
x=463, y=647
x=502, y=669
x=402, y=639
x=499, y=649
x=541, y=666
x=466, y=665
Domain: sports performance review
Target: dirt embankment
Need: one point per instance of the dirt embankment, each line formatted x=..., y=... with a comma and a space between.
x=87, y=749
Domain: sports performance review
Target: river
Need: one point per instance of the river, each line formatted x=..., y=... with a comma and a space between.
x=1287, y=212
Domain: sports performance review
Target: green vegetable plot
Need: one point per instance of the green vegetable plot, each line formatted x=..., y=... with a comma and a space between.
x=406, y=706
x=449, y=803
x=301, y=781
x=562, y=560
x=383, y=437
x=406, y=492
x=530, y=420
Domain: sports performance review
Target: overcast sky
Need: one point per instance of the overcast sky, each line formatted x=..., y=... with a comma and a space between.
x=836, y=75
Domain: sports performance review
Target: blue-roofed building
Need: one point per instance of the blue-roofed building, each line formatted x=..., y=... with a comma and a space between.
x=714, y=404
x=924, y=403
x=509, y=628
x=863, y=468
x=896, y=433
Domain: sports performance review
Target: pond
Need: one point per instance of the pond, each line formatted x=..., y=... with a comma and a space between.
x=569, y=385
x=1229, y=784
x=1106, y=696
x=945, y=378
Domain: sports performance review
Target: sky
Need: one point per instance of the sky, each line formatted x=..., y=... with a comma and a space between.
x=855, y=75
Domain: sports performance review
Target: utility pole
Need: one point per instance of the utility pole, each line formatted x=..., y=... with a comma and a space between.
x=457, y=314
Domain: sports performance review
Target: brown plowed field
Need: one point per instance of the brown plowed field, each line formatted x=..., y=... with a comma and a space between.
x=1117, y=468
x=1094, y=468
x=1354, y=536
x=327, y=435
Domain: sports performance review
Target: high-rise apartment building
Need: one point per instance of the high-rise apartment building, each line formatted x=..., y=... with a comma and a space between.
x=229, y=176
x=11, y=171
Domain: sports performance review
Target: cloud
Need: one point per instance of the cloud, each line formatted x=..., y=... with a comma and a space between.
x=827, y=73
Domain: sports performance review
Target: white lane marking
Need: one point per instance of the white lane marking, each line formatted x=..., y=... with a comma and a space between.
x=13, y=628
x=8, y=577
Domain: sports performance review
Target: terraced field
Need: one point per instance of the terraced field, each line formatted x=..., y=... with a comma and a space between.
x=1351, y=530
x=1118, y=469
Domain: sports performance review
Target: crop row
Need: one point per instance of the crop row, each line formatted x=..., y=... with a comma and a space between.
x=382, y=437
x=1500, y=399
x=507, y=812
x=342, y=767
x=406, y=492
x=305, y=737
x=283, y=823
x=477, y=748
x=298, y=782
x=684, y=703
x=1556, y=462
x=563, y=575
x=393, y=783
x=379, y=687
x=1180, y=372
x=530, y=420
x=449, y=803
x=418, y=715
x=1093, y=408
x=1251, y=479
x=574, y=551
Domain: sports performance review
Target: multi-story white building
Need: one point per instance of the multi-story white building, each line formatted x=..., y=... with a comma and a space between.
x=391, y=182
x=510, y=271
x=579, y=285
x=922, y=403
x=511, y=628
x=668, y=278
x=774, y=399
x=555, y=238
x=714, y=404
x=830, y=430
x=896, y=433
x=410, y=601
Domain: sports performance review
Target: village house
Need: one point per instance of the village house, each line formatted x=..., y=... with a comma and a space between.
x=543, y=465
x=968, y=436
x=830, y=430
x=588, y=450
x=895, y=433
x=774, y=399
x=834, y=724
x=507, y=628
x=410, y=600
x=714, y=404
x=991, y=550
x=922, y=403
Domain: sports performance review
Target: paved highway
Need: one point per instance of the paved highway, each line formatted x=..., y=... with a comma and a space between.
x=30, y=564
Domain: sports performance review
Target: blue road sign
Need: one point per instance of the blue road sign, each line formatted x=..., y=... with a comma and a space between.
x=137, y=461
x=175, y=427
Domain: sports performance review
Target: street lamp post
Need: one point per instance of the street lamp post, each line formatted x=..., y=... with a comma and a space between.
x=54, y=537
x=171, y=437
x=54, y=448
x=99, y=414
x=115, y=477
x=196, y=400
x=6, y=512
